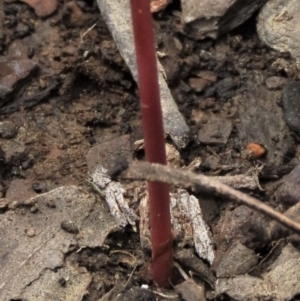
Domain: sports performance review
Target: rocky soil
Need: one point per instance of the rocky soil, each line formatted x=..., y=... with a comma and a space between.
x=68, y=103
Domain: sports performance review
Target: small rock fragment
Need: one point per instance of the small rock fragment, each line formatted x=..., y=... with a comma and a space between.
x=206, y=74
x=237, y=260
x=275, y=82
x=242, y=224
x=211, y=163
x=3, y=203
x=216, y=131
x=11, y=72
x=69, y=226
x=107, y=153
x=291, y=105
x=22, y=30
x=41, y=7
x=198, y=84
x=13, y=205
x=31, y=232
x=34, y=209
x=51, y=204
x=190, y=291
x=225, y=87
x=289, y=191
x=19, y=190
x=62, y=281
x=188, y=258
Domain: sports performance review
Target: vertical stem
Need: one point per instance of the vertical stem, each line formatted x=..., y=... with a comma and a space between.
x=159, y=196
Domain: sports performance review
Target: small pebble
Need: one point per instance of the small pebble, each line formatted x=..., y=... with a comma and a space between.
x=62, y=281
x=51, y=204
x=31, y=232
x=3, y=203
x=14, y=205
x=69, y=226
x=34, y=209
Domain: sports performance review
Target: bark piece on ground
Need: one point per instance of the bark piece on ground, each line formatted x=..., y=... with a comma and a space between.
x=209, y=18
x=117, y=16
x=280, y=283
x=113, y=193
x=28, y=259
x=278, y=26
x=187, y=222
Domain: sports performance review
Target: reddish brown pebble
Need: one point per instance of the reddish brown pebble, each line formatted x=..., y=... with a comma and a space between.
x=256, y=150
x=157, y=5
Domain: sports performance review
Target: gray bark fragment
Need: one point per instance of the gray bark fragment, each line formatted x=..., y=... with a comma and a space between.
x=117, y=16
x=27, y=261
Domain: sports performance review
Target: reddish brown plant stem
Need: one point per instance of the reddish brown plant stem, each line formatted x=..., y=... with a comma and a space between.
x=159, y=198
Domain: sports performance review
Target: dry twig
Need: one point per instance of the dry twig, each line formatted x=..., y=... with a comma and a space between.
x=187, y=179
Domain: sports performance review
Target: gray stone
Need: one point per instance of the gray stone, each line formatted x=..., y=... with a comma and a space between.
x=280, y=282
x=289, y=192
x=215, y=131
x=237, y=260
x=262, y=122
x=291, y=105
x=212, y=18
x=279, y=25
x=106, y=154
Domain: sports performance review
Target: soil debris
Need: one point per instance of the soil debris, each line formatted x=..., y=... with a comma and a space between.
x=42, y=8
